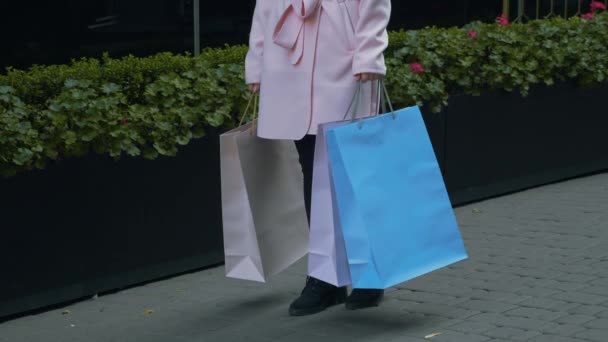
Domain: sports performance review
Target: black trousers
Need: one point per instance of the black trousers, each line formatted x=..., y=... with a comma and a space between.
x=306, y=150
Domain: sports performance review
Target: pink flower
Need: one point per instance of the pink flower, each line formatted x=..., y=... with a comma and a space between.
x=588, y=16
x=597, y=5
x=503, y=20
x=416, y=68
x=472, y=34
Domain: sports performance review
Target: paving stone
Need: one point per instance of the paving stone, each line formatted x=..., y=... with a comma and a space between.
x=597, y=290
x=582, y=298
x=492, y=276
x=427, y=324
x=561, y=329
x=576, y=269
x=601, y=323
x=454, y=336
x=540, y=314
x=587, y=309
x=400, y=338
x=537, y=291
x=600, y=282
x=471, y=327
x=568, y=307
x=488, y=318
x=486, y=306
x=522, y=322
x=464, y=282
x=442, y=310
x=500, y=286
x=302, y=336
x=428, y=297
x=560, y=285
x=553, y=338
x=576, y=278
x=423, y=285
x=508, y=321
x=596, y=335
x=499, y=296
x=454, y=291
x=543, y=303
x=511, y=333
x=537, y=272
x=575, y=319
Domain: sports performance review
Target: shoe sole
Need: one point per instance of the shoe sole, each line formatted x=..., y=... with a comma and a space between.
x=312, y=311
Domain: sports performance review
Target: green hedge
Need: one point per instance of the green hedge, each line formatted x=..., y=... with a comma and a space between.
x=149, y=106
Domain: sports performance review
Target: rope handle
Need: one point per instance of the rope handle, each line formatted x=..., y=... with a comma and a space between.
x=383, y=99
x=252, y=98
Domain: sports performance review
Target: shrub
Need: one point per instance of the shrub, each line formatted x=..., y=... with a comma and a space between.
x=150, y=106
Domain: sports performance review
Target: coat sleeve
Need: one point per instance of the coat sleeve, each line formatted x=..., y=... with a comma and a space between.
x=371, y=36
x=253, y=60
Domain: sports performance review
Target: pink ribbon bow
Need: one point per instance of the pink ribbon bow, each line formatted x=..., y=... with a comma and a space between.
x=289, y=31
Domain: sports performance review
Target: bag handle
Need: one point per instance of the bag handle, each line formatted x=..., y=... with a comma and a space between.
x=385, y=99
x=354, y=101
x=252, y=97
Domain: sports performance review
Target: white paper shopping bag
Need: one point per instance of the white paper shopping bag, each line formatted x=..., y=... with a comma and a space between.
x=264, y=216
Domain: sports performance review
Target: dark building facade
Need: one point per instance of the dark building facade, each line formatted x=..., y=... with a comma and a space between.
x=50, y=32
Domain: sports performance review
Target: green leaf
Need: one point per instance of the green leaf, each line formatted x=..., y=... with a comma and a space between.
x=23, y=156
x=110, y=88
x=71, y=83
x=150, y=153
x=156, y=104
x=198, y=132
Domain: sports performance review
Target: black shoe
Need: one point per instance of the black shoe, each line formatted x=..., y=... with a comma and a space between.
x=316, y=297
x=364, y=298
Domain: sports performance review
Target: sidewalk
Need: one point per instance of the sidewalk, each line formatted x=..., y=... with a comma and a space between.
x=538, y=271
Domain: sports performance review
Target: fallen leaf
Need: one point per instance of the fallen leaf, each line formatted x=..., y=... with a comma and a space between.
x=476, y=211
x=148, y=312
x=428, y=337
x=66, y=312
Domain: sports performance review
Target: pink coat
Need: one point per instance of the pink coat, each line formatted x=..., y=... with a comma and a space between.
x=306, y=53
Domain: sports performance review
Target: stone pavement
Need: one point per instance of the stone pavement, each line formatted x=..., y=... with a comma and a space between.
x=538, y=271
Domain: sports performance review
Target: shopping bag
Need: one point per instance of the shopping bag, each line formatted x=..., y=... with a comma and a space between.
x=327, y=254
x=265, y=227
x=393, y=207
x=327, y=258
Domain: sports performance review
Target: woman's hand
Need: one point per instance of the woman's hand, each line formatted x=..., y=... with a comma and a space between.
x=367, y=76
x=254, y=87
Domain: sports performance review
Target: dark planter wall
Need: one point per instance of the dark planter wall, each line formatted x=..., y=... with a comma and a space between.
x=501, y=142
x=90, y=225
x=436, y=128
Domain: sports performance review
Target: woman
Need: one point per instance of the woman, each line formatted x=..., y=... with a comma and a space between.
x=305, y=58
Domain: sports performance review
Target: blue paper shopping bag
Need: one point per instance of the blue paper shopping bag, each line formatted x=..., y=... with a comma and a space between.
x=397, y=219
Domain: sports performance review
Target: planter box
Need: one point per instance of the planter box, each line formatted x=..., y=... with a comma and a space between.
x=90, y=225
x=500, y=143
